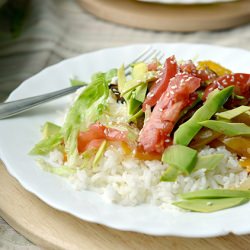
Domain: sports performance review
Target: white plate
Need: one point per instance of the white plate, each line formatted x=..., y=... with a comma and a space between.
x=19, y=134
x=186, y=1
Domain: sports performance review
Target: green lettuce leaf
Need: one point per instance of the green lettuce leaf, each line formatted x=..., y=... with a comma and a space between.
x=110, y=75
x=76, y=82
x=87, y=109
x=62, y=170
x=99, y=153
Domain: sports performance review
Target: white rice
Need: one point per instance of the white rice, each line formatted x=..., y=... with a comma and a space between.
x=128, y=181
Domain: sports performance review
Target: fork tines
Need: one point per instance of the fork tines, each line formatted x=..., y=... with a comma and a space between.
x=148, y=54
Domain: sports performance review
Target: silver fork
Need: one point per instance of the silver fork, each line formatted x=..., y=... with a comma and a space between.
x=12, y=108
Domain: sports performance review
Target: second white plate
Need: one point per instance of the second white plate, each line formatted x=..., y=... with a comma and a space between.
x=186, y=1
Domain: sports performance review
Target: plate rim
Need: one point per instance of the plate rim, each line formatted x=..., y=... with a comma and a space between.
x=189, y=2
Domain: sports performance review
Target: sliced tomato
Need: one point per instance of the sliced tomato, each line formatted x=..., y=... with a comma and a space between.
x=93, y=137
x=205, y=75
x=155, y=134
x=95, y=131
x=189, y=68
x=96, y=143
x=160, y=85
x=239, y=80
x=153, y=66
x=112, y=134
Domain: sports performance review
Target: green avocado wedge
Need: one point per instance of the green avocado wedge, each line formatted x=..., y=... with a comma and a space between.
x=50, y=129
x=51, y=139
x=227, y=128
x=133, y=91
x=170, y=174
x=216, y=193
x=121, y=78
x=230, y=114
x=137, y=96
x=210, y=205
x=208, y=162
x=211, y=200
x=181, y=157
x=99, y=153
x=186, y=132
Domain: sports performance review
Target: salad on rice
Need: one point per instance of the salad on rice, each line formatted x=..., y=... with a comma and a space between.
x=174, y=135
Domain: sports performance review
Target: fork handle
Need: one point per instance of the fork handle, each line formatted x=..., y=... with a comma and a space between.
x=8, y=109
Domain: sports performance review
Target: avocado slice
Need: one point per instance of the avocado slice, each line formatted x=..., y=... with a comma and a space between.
x=230, y=114
x=227, y=128
x=170, y=175
x=208, y=162
x=210, y=205
x=216, y=193
x=121, y=78
x=50, y=129
x=139, y=72
x=181, y=157
x=138, y=93
x=136, y=116
x=99, y=153
x=139, y=77
x=133, y=105
x=186, y=132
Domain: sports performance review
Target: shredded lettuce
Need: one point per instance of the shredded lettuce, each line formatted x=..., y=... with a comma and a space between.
x=99, y=153
x=135, y=116
x=62, y=170
x=87, y=109
x=121, y=78
x=88, y=157
x=50, y=129
x=133, y=91
x=110, y=75
x=76, y=82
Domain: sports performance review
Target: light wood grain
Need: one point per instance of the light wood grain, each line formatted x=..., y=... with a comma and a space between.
x=52, y=229
x=184, y=18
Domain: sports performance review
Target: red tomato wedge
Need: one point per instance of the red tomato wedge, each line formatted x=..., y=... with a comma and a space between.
x=94, y=136
x=96, y=143
x=152, y=66
x=155, y=134
x=239, y=80
x=157, y=89
x=190, y=68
